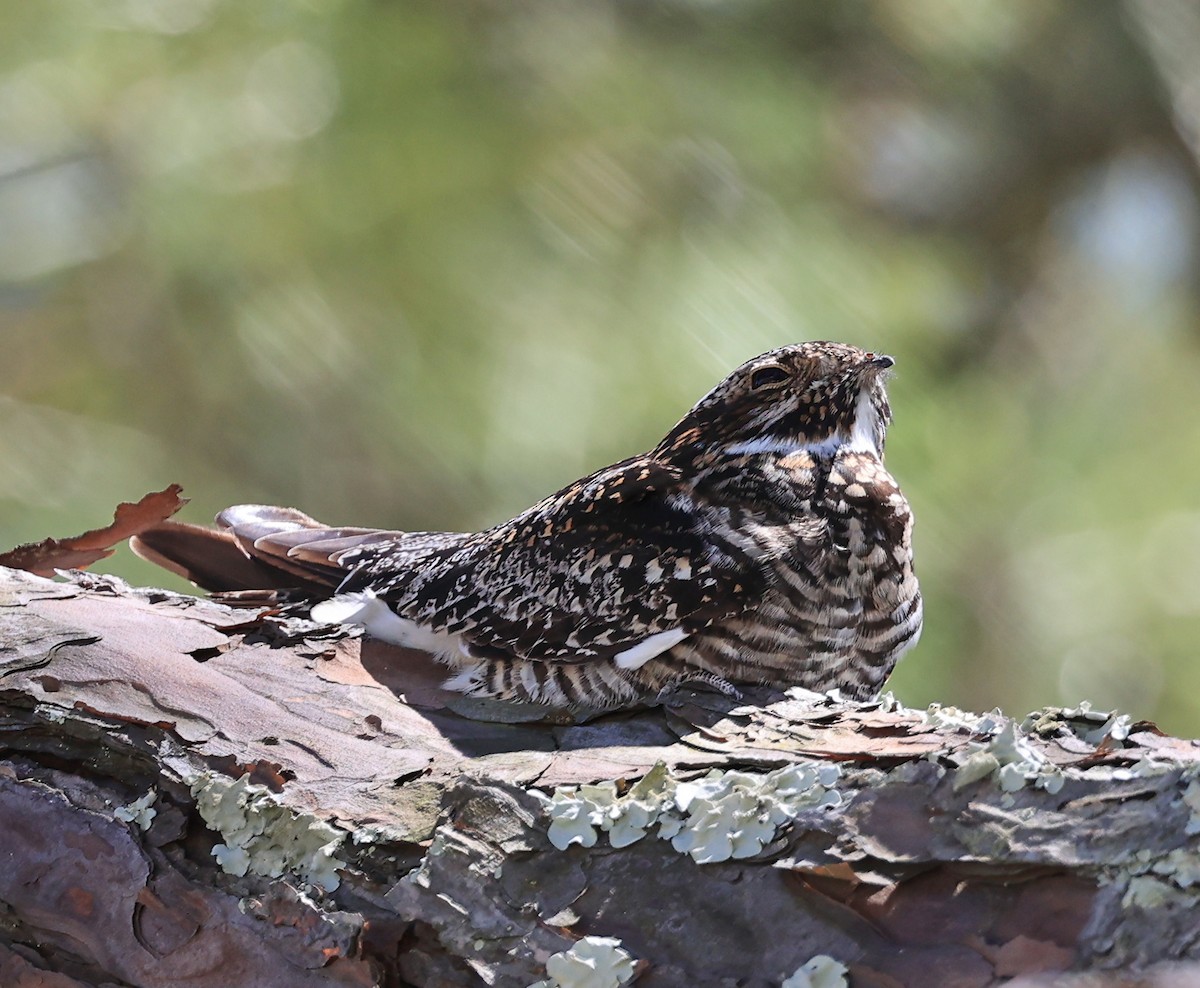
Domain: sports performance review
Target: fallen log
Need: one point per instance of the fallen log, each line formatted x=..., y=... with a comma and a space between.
x=191, y=798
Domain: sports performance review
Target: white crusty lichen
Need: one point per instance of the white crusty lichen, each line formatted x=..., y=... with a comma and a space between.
x=263, y=836
x=722, y=815
x=593, y=962
x=141, y=811
x=821, y=971
x=1012, y=760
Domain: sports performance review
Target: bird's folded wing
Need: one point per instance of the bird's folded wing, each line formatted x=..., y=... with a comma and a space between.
x=590, y=572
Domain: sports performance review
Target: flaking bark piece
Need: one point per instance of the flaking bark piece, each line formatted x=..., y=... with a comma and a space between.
x=80, y=551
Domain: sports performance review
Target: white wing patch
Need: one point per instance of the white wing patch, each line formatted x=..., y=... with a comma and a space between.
x=370, y=613
x=638, y=655
x=380, y=621
x=343, y=609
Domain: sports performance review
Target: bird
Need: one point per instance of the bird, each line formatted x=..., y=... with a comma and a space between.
x=761, y=542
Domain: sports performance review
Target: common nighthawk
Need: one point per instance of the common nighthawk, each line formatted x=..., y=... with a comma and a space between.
x=761, y=542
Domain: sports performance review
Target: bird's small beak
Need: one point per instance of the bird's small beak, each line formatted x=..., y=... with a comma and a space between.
x=880, y=361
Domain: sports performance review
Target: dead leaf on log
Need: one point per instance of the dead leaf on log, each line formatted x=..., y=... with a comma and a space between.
x=80, y=551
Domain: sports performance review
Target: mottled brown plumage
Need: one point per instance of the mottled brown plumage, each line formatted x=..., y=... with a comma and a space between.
x=762, y=541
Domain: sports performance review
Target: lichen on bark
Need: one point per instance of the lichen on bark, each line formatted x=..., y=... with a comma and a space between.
x=388, y=839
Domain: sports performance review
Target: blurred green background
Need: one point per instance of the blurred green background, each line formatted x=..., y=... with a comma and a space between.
x=417, y=264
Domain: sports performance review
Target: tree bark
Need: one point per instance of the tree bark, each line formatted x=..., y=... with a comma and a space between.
x=191, y=799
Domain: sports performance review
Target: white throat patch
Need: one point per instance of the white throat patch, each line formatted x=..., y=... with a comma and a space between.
x=862, y=436
x=866, y=425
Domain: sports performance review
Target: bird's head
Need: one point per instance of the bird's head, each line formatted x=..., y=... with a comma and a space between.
x=817, y=396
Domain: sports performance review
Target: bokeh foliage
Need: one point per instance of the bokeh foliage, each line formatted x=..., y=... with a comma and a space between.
x=416, y=264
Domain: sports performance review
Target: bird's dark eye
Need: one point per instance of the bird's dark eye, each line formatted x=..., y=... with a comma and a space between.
x=768, y=377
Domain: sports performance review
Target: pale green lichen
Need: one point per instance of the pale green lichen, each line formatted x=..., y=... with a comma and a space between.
x=720, y=816
x=1092, y=726
x=1191, y=799
x=1143, y=768
x=1152, y=879
x=264, y=837
x=952, y=718
x=821, y=971
x=593, y=962
x=1146, y=892
x=887, y=702
x=578, y=812
x=724, y=820
x=1181, y=866
x=1012, y=760
x=141, y=811
x=233, y=860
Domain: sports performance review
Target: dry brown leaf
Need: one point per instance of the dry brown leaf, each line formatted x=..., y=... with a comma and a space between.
x=80, y=551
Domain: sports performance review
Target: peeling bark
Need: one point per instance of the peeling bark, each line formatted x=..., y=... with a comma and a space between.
x=950, y=850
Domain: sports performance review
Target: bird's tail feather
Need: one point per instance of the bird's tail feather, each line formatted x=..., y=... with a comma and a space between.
x=257, y=547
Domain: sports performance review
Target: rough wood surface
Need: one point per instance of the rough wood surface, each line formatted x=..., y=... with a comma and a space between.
x=370, y=829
